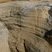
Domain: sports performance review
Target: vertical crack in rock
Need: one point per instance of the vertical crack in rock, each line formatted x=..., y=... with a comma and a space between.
x=29, y=47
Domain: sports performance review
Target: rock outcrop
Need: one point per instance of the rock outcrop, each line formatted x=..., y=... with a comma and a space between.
x=4, y=47
x=27, y=23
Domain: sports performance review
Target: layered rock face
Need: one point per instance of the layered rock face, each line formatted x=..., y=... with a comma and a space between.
x=27, y=23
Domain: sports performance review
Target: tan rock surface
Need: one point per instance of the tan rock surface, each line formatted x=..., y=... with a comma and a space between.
x=27, y=23
x=2, y=1
x=4, y=47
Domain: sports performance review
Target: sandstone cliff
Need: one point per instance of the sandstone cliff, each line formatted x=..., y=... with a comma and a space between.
x=27, y=22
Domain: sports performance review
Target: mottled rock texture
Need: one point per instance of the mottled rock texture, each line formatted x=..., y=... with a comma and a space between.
x=27, y=23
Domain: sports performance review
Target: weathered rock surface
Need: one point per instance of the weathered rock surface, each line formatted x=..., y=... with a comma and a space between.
x=4, y=1
x=4, y=47
x=26, y=23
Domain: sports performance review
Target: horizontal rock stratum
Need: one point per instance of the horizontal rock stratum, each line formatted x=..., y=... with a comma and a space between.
x=27, y=23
